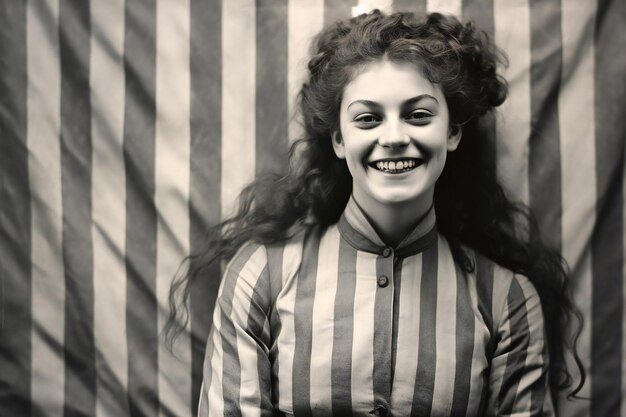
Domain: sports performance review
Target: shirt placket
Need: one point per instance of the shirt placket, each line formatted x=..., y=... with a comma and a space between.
x=383, y=331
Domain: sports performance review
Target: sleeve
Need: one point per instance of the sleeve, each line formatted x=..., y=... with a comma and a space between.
x=237, y=369
x=518, y=380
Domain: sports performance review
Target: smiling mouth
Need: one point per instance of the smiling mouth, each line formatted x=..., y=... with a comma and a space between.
x=396, y=166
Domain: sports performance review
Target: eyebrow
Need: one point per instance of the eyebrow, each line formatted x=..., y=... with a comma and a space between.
x=407, y=103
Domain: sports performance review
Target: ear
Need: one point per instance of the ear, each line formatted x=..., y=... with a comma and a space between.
x=338, y=146
x=454, y=137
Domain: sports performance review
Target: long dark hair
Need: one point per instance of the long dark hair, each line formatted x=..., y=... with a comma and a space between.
x=471, y=206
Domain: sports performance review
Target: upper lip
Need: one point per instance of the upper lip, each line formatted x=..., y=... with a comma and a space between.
x=394, y=159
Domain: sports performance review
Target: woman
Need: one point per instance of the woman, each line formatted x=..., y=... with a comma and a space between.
x=387, y=273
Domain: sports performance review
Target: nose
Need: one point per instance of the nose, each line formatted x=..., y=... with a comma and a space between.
x=394, y=136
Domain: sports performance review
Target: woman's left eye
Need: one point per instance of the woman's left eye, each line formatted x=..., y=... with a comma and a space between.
x=420, y=116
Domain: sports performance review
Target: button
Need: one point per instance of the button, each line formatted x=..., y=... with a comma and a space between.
x=386, y=252
x=380, y=410
x=382, y=281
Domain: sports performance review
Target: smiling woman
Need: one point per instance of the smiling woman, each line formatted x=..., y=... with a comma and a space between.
x=386, y=273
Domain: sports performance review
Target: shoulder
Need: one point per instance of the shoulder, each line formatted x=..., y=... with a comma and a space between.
x=503, y=292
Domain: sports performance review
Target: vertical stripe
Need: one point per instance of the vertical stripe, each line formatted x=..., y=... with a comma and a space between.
x=512, y=34
x=275, y=267
x=453, y=7
x=44, y=173
x=515, y=355
x=427, y=354
x=337, y=10
x=172, y=192
x=383, y=326
x=341, y=376
x=323, y=320
x=363, y=332
x=624, y=295
x=139, y=148
x=607, y=242
x=258, y=325
x=271, y=83
x=414, y=6
x=479, y=356
x=465, y=345
x=76, y=151
x=15, y=216
x=205, y=166
x=291, y=258
x=109, y=205
x=445, y=330
x=238, y=99
x=303, y=311
x=578, y=166
x=305, y=20
x=544, y=150
x=408, y=336
x=230, y=369
x=481, y=12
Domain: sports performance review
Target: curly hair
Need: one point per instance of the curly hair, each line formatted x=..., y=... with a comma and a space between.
x=471, y=207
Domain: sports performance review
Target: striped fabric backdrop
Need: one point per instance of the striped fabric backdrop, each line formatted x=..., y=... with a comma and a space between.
x=129, y=126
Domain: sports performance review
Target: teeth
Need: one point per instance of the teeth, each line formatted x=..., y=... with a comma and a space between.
x=395, y=165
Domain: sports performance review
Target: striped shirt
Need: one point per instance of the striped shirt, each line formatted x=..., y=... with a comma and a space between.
x=336, y=323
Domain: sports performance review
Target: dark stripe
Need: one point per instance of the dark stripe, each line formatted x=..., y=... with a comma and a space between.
x=464, y=345
x=607, y=242
x=231, y=368
x=205, y=162
x=272, y=113
x=415, y=6
x=397, y=286
x=261, y=299
x=481, y=13
x=544, y=160
x=141, y=223
x=341, y=375
x=15, y=217
x=427, y=356
x=275, y=265
x=303, y=324
x=484, y=294
x=515, y=370
x=80, y=361
x=383, y=315
x=337, y=10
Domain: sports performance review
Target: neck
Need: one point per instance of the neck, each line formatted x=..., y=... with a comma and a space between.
x=393, y=222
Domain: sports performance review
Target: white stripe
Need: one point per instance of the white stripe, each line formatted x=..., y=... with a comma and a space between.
x=215, y=368
x=306, y=19
x=172, y=145
x=512, y=34
x=479, y=361
x=534, y=353
x=363, y=332
x=407, y=347
x=250, y=389
x=323, y=320
x=445, y=330
x=108, y=194
x=453, y=7
x=238, y=99
x=44, y=172
x=285, y=306
x=578, y=167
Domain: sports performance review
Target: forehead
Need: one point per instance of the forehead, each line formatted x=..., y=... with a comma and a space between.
x=389, y=82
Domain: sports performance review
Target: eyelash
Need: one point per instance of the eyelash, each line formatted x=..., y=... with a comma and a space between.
x=369, y=120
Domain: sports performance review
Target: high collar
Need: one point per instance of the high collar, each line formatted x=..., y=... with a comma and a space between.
x=356, y=229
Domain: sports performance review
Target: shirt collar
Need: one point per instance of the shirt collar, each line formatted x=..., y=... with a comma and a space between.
x=356, y=229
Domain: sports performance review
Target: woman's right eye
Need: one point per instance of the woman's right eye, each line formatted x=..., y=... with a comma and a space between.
x=367, y=120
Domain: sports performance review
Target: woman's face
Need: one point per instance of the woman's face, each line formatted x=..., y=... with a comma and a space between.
x=395, y=134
